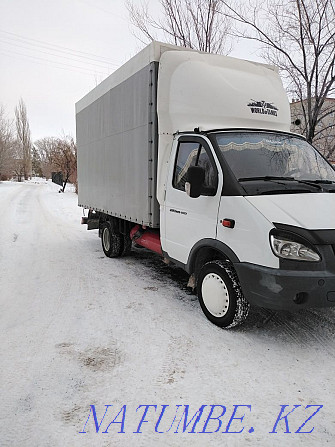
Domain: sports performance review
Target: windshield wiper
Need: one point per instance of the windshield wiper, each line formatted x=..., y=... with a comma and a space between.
x=264, y=177
x=310, y=183
x=273, y=178
x=325, y=182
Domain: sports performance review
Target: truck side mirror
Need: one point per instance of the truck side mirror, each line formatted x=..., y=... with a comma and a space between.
x=195, y=177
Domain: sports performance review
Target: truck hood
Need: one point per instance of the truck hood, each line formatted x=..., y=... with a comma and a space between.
x=314, y=211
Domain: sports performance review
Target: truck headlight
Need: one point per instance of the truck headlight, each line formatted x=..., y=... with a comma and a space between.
x=287, y=247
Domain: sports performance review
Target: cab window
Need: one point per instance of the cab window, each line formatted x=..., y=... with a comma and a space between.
x=194, y=154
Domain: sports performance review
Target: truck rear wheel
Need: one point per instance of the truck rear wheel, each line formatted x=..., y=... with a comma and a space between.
x=220, y=294
x=126, y=245
x=111, y=241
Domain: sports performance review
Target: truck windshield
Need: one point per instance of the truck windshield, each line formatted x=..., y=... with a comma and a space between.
x=270, y=156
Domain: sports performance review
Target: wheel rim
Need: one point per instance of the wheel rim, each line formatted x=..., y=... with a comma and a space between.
x=215, y=295
x=106, y=239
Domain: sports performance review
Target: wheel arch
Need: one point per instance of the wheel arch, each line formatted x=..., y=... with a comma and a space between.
x=207, y=250
x=118, y=224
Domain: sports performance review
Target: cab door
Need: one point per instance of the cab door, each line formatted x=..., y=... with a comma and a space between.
x=187, y=220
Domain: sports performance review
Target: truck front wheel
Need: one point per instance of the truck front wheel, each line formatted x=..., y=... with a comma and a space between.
x=220, y=294
x=111, y=241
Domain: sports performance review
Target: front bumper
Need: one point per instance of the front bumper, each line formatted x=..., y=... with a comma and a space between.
x=286, y=289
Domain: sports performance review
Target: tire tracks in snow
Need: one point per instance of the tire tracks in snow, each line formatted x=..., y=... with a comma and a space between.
x=175, y=361
x=305, y=328
x=29, y=273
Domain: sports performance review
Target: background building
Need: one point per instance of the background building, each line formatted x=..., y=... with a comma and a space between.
x=324, y=136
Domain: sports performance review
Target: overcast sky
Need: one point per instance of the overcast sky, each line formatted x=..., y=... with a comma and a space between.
x=53, y=52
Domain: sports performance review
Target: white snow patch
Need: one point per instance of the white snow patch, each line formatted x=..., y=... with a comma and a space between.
x=79, y=329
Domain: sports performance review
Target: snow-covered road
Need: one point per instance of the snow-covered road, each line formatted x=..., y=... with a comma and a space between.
x=79, y=329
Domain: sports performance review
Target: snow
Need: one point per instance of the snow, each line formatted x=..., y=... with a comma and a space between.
x=80, y=329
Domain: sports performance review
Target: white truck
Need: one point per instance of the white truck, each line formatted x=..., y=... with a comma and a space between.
x=190, y=155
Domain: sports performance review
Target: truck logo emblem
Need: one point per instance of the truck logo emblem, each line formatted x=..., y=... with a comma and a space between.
x=263, y=107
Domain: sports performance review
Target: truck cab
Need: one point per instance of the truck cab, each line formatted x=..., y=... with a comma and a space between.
x=261, y=215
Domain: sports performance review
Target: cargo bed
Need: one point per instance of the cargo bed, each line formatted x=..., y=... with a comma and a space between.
x=117, y=141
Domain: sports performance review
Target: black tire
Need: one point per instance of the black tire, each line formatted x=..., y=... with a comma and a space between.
x=220, y=294
x=126, y=245
x=111, y=242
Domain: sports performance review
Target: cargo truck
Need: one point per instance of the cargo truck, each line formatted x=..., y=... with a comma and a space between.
x=190, y=155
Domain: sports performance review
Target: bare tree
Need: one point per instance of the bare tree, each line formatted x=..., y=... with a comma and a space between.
x=45, y=147
x=197, y=24
x=17, y=162
x=6, y=145
x=23, y=136
x=298, y=36
x=63, y=156
x=36, y=162
x=324, y=135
